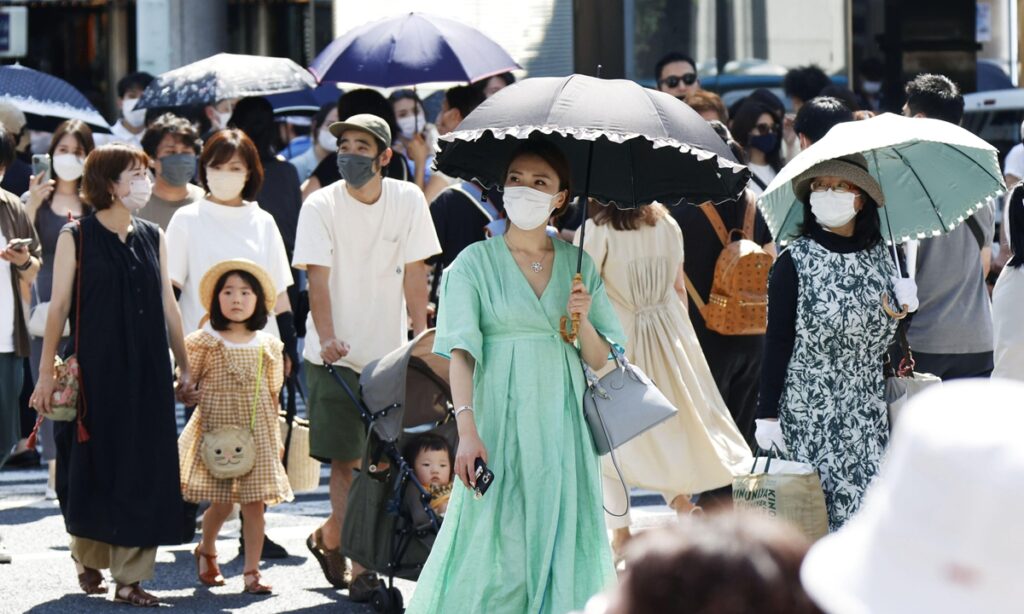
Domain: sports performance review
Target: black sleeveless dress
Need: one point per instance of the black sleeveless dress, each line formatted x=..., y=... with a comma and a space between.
x=121, y=486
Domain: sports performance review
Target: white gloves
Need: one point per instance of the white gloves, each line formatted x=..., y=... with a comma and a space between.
x=768, y=434
x=906, y=292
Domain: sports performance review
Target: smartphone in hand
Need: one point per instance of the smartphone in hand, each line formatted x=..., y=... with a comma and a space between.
x=18, y=244
x=41, y=164
x=484, y=478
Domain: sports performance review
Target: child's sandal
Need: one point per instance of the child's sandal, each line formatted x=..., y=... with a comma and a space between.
x=255, y=587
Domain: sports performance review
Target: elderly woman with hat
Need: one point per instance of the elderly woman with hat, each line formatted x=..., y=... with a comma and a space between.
x=829, y=324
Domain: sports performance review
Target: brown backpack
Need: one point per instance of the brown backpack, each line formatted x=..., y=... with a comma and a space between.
x=738, y=304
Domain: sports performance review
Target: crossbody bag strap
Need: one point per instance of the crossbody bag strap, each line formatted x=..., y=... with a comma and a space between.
x=256, y=396
x=83, y=434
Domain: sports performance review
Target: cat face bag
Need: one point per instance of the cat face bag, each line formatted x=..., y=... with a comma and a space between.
x=230, y=451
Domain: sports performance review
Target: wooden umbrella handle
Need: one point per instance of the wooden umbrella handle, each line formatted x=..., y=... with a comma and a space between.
x=570, y=333
x=896, y=315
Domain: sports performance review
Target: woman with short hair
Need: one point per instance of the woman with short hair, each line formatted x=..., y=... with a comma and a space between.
x=117, y=468
x=228, y=223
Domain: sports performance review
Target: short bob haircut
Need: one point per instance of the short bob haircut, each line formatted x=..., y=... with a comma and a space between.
x=171, y=124
x=103, y=168
x=258, y=319
x=221, y=147
x=550, y=153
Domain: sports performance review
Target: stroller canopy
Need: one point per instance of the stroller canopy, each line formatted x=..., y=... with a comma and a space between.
x=406, y=388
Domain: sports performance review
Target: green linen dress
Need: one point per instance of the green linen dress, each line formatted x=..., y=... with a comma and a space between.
x=536, y=542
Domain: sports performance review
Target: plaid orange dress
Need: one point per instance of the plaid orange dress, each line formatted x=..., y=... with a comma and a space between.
x=226, y=374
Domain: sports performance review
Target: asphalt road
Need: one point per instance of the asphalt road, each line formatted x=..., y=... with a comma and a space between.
x=42, y=579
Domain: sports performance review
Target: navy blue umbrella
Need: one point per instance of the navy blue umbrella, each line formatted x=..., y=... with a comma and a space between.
x=46, y=100
x=305, y=102
x=410, y=50
x=223, y=76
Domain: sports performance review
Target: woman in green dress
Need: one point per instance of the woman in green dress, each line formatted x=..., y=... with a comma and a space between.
x=536, y=542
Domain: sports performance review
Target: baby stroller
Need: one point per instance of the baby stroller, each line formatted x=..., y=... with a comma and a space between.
x=389, y=525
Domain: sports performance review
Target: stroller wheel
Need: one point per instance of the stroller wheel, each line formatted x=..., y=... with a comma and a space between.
x=381, y=601
x=397, y=602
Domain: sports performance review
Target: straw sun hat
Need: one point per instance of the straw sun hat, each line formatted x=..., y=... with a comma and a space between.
x=209, y=281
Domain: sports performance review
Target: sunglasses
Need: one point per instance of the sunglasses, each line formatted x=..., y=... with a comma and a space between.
x=689, y=79
x=765, y=128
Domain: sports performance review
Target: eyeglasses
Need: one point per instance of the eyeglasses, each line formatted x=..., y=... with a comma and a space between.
x=842, y=187
x=765, y=128
x=673, y=81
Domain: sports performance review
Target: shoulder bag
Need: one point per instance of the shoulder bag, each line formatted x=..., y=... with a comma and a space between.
x=230, y=451
x=620, y=406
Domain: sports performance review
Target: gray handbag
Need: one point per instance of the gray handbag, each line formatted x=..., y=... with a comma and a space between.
x=623, y=404
x=620, y=406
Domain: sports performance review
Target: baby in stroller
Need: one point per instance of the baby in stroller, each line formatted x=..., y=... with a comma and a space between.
x=432, y=461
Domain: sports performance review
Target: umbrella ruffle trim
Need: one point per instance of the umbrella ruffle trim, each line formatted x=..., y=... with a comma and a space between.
x=587, y=134
x=913, y=234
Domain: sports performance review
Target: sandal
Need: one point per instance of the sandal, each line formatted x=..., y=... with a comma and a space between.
x=334, y=566
x=212, y=575
x=135, y=596
x=91, y=582
x=254, y=587
x=363, y=586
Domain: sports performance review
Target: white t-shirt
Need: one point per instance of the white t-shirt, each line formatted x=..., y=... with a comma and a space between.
x=204, y=233
x=6, y=304
x=366, y=248
x=119, y=134
x=1014, y=162
x=764, y=172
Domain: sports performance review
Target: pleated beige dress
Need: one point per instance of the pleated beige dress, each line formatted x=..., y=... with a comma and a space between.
x=700, y=449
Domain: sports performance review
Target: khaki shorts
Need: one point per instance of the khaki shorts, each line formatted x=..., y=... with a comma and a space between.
x=336, y=431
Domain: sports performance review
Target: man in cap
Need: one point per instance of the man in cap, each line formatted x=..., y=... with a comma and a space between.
x=363, y=242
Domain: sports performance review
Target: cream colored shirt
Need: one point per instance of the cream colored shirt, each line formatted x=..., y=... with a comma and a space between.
x=366, y=248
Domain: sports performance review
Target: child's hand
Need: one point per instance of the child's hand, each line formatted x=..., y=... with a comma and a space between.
x=471, y=447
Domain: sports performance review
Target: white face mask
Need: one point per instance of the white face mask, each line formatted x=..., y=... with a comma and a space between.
x=225, y=185
x=326, y=140
x=528, y=208
x=872, y=87
x=222, y=119
x=132, y=116
x=139, y=192
x=68, y=166
x=411, y=125
x=833, y=209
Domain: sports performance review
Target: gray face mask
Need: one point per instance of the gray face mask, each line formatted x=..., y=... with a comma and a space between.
x=177, y=169
x=355, y=169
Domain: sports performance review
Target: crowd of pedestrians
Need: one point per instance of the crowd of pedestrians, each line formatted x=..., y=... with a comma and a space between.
x=194, y=233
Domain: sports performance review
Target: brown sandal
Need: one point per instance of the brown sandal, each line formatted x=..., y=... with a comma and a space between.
x=135, y=597
x=254, y=587
x=91, y=582
x=212, y=575
x=335, y=568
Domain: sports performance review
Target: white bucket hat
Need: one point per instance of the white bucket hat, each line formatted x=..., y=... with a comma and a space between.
x=942, y=528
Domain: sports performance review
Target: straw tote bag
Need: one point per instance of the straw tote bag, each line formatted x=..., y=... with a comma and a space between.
x=303, y=470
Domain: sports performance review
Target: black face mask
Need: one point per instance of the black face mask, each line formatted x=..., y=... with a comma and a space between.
x=766, y=143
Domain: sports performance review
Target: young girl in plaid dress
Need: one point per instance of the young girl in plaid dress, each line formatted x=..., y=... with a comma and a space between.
x=240, y=372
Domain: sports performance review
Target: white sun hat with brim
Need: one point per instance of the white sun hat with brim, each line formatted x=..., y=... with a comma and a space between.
x=942, y=528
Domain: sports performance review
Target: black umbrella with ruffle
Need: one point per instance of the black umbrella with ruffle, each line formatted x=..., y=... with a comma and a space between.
x=628, y=146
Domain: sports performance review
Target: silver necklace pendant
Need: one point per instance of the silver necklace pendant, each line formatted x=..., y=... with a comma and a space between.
x=537, y=267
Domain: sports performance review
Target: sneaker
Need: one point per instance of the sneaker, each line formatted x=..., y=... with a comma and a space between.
x=363, y=586
x=271, y=549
